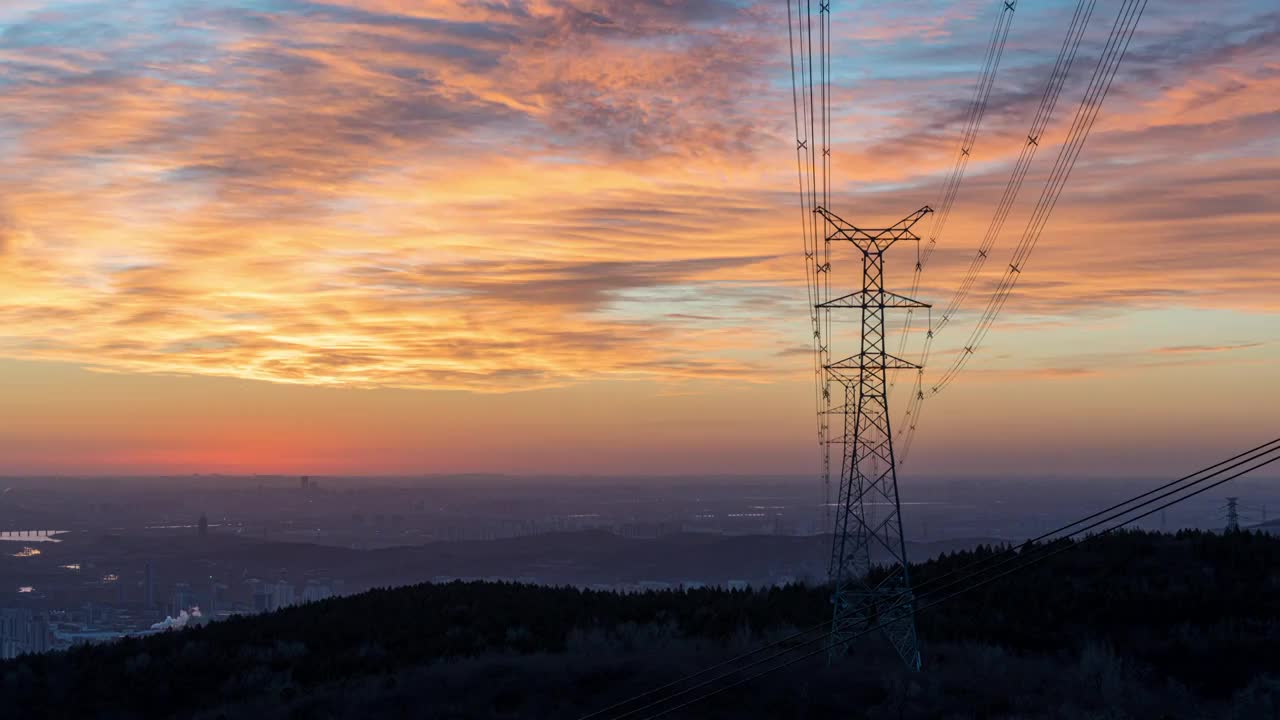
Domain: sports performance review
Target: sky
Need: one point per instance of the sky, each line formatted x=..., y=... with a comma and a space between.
x=563, y=237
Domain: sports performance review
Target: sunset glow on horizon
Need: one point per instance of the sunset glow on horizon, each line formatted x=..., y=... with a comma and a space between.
x=561, y=237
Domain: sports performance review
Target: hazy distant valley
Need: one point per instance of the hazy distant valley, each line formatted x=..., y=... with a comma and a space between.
x=132, y=555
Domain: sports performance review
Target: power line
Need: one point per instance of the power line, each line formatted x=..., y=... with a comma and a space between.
x=968, y=137
x=867, y=474
x=812, y=125
x=975, y=569
x=811, y=114
x=934, y=603
x=623, y=703
x=1030, y=144
x=1262, y=449
x=1086, y=115
x=1272, y=447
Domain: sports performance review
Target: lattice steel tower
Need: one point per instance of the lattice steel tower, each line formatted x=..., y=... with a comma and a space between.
x=868, y=514
x=1233, y=514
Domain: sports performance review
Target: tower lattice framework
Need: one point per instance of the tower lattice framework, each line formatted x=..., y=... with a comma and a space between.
x=868, y=517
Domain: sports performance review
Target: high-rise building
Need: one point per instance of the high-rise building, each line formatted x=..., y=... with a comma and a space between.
x=204, y=525
x=22, y=631
x=215, y=600
x=183, y=599
x=284, y=596
x=316, y=590
x=262, y=594
x=149, y=587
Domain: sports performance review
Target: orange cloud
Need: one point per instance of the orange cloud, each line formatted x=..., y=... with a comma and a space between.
x=503, y=197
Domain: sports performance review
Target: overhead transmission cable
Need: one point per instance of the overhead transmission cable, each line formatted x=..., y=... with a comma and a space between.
x=1039, y=123
x=1177, y=485
x=1270, y=448
x=824, y=625
x=1049, y=552
x=811, y=110
x=811, y=113
x=968, y=137
x=1153, y=496
x=1086, y=115
x=821, y=236
x=1256, y=457
x=1255, y=462
x=930, y=605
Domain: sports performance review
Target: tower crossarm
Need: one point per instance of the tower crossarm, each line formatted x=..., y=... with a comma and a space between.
x=872, y=240
x=905, y=224
x=865, y=299
x=875, y=361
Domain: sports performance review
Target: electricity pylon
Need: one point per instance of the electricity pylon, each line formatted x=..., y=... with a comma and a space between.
x=1233, y=514
x=868, y=514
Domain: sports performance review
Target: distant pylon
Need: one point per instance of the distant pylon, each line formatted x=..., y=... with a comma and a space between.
x=1233, y=514
x=868, y=514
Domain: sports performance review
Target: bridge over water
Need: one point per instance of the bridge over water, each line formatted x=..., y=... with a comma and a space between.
x=31, y=535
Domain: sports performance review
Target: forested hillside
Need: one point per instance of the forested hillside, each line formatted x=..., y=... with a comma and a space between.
x=1133, y=625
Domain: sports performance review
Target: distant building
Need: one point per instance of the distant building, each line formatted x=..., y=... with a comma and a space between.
x=21, y=631
x=65, y=638
x=316, y=590
x=204, y=525
x=215, y=601
x=262, y=594
x=305, y=481
x=149, y=587
x=183, y=599
x=284, y=595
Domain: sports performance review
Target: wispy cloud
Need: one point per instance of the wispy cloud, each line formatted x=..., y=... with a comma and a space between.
x=505, y=196
x=1188, y=349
